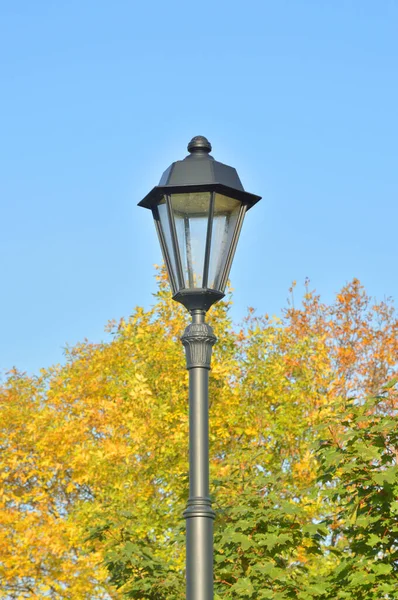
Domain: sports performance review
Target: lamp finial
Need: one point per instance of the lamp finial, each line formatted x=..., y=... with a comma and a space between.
x=199, y=144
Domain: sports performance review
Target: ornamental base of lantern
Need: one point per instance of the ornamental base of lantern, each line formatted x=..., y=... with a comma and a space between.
x=198, y=299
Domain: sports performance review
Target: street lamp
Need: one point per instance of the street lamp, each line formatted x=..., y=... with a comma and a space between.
x=198, y=208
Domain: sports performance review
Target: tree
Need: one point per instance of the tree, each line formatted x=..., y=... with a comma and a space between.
x=94, y=453
x=359, y=477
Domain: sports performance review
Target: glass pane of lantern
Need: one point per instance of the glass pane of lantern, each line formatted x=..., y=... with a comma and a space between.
x=165, y=225
x=226, y=212
x=191, y=216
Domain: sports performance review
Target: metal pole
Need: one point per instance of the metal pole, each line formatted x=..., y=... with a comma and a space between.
x=198, y=340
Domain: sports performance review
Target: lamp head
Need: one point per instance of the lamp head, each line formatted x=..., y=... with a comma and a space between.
x=198, y=208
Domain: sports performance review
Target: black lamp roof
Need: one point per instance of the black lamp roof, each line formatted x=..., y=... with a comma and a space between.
x=198, y=172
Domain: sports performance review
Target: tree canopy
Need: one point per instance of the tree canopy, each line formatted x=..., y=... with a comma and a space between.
x=304, y=447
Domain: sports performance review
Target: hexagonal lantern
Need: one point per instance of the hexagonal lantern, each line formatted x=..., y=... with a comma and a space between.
x=198, y=208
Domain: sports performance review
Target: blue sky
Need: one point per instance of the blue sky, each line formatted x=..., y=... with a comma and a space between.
x=98, y=98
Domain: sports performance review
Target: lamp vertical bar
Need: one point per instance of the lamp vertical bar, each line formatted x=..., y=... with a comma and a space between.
x=208, y=242
x=189, y=253
x=234, y=242
x=165, y=252
x=198, y=340
x=174, y=239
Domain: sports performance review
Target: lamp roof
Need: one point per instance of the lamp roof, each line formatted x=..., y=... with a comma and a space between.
x=199, y=171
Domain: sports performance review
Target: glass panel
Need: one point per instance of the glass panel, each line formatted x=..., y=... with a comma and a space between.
x=191, y=216
x=165, y=226
x=226, y=212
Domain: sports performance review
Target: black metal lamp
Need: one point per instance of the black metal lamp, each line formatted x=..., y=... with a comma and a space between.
x=198, y=208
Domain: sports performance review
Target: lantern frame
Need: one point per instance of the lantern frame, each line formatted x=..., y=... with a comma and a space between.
x=203, y=171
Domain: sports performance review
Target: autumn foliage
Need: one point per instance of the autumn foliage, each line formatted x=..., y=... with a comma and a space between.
x=303, y=467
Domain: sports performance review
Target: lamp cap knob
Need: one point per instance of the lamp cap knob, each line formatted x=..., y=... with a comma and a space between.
x=199, y=144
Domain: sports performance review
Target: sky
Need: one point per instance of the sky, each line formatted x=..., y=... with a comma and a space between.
x=98, y=98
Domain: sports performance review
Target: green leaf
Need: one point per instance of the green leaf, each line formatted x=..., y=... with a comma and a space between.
x=394, y=506
x=391, y=383
x=373, y=540
x=388, y=476
x=317, y=588
x=243, y=587
x=381, y=568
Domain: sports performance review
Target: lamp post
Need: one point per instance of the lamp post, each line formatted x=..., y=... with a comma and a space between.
x=198, y=208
